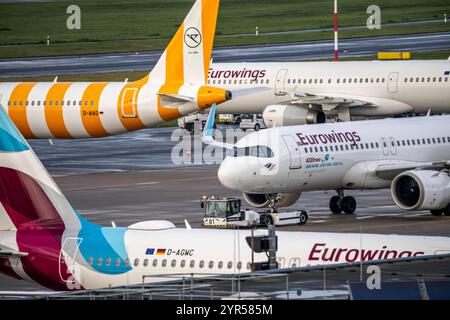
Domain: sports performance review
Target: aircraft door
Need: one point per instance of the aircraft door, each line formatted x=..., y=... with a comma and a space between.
x=129, y=103
x=393, y=146
x=294, y=152
x=280, y=89
x=384, y=146
x=280, y=261
x=392, y=82
x=294, y=263
x=71, y=275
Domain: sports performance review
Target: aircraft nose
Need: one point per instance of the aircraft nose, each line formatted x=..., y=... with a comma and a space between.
x=228, y=176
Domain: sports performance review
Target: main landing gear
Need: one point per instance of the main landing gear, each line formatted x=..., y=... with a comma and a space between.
x=340, y=203
x=445, y=211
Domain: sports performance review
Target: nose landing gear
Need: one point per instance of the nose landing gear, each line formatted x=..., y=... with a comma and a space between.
x=340, y=203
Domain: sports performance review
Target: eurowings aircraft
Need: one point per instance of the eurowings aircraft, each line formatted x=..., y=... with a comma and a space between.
x=307, y=92
x=410, y=156
x=175, y=87
x=43, y=239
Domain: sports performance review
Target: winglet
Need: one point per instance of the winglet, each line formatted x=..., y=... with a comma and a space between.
x=207, y=136
x=188, y=225
x=208, y=131
x=428, y=112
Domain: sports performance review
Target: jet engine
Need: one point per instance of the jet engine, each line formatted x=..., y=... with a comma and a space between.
x=421, y=190
x=289, y=115
x=261, y=200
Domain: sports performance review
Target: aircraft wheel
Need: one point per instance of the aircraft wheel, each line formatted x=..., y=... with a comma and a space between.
x=303, y=218
x=436, y=213
x=335, y=205
x=257, y=127
x=349, y=205
x=447, y=210
x=266, y=220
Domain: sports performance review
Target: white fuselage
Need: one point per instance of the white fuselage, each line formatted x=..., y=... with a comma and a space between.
x=408, y=86
x=203, y=252
x=334, y=155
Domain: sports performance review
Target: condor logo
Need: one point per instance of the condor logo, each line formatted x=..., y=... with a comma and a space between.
x=192, y=37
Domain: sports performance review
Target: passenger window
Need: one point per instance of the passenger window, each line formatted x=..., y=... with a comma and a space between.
x=136, y=262
x=108, y=261
x=211, y=264
x=239, y=265
x=220, y=265
x=145, y=262
x=155, y=262
x=91, y=261
x=230, y=264
x=164, y=263
x=117, y=262
x=183, y=263
x=192, y=264
x=174, y=263
x=99, y=261
x=201, y=264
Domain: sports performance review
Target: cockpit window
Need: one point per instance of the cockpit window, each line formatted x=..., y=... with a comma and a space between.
x=255, y=151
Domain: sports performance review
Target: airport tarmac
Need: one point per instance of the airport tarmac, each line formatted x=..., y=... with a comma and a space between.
x=296, y=51
x=130, y=178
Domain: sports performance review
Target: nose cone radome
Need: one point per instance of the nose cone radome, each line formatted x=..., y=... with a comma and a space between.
x=228, y=176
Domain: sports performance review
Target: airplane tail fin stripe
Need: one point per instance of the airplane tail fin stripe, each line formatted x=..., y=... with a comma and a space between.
x=187, y=57
x=209, y=20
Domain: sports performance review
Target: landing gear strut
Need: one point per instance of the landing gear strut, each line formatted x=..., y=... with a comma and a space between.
x=340, y=203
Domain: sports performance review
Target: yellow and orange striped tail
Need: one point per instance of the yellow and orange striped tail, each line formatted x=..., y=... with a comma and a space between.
x=188, y=55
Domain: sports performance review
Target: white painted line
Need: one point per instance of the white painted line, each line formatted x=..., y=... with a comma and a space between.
x=147, y=183
x=317, y=221
x=417, y=214
x=364, y=217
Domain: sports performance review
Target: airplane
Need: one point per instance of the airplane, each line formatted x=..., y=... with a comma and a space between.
x=44, y=240
x=408, y=155
x=183, y=83
x=175, y=87
x=309, y=92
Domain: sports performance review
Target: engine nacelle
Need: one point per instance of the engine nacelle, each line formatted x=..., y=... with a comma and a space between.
x=261, y=200
x=421, y=190
x=288, y=115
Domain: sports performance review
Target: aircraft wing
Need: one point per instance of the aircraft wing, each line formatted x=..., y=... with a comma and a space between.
x=328, y=102
x=391, y=170
x=332, y=101
x=6, y=252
